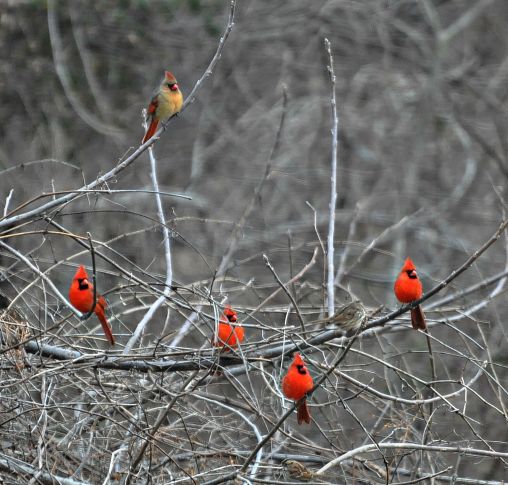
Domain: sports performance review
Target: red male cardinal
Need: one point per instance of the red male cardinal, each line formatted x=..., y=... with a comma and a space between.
x=81, y=297
x=167, y=102
x=408, y=288
x=229, y=335
x=296, y=384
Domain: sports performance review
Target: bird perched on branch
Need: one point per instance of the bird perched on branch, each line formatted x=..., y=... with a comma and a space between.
x=349, y=317
x=229, y=332
x=296, y=384
x=295, y=470
x=408, y=288
x=167, y=102
x=81, y=297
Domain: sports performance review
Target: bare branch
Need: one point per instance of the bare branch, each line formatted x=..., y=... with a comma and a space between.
x=330, y=251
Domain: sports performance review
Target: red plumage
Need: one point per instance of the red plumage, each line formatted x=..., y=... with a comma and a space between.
x=229, y=336
x=81, y=298
x=151, y=130
x=408, y=288
x=296, y=384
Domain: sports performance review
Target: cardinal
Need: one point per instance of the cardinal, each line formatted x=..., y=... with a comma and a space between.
x=166, y=103
x=296, y=384
x=229, y=335
x=408, y=288
x=81, y=297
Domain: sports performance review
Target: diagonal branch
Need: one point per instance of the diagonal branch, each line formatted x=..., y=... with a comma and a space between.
x=454, y=274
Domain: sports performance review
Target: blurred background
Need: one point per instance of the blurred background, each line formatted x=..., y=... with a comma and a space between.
x=421, y=90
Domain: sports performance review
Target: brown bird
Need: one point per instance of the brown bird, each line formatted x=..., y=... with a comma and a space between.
x=295, y=470
x=350, y=317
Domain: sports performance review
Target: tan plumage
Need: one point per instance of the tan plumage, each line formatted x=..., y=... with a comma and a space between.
x=350, y=317
x=167, y=102
x=295, y=470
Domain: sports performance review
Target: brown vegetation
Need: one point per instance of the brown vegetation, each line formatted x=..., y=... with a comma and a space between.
x=421, y=89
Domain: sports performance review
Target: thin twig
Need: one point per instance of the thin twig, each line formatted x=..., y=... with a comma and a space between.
x=290, y=282
x=333, y=189
x=284, y=287
x=235, y=236
x=454, y=274
x=160, y=419
x=7, y=202
x=217, y=55
x=10, y=464
x=42, y=275
x=411, y=446
x=279, y=423
x=167, y=253
x=90, y=312
x=190, y=98
x=135, y=155
x=457, y=295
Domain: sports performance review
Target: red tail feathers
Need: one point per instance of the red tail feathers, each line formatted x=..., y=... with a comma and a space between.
x=302, y=412
x=151, y=130
x=99, y=311
x=418, y=318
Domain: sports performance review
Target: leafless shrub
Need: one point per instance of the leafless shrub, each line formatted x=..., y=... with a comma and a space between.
x=231, y=204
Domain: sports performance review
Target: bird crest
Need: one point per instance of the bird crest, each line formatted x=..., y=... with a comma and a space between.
x=298, y=360
x=169, y=77
x=230, y=314
x=81, y=273
x=408, y=265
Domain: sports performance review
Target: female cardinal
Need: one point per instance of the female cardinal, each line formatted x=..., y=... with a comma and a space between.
x=408, y=288
x=296, y=384
x=229, y=335
x=81, y=297
x=166, y=103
